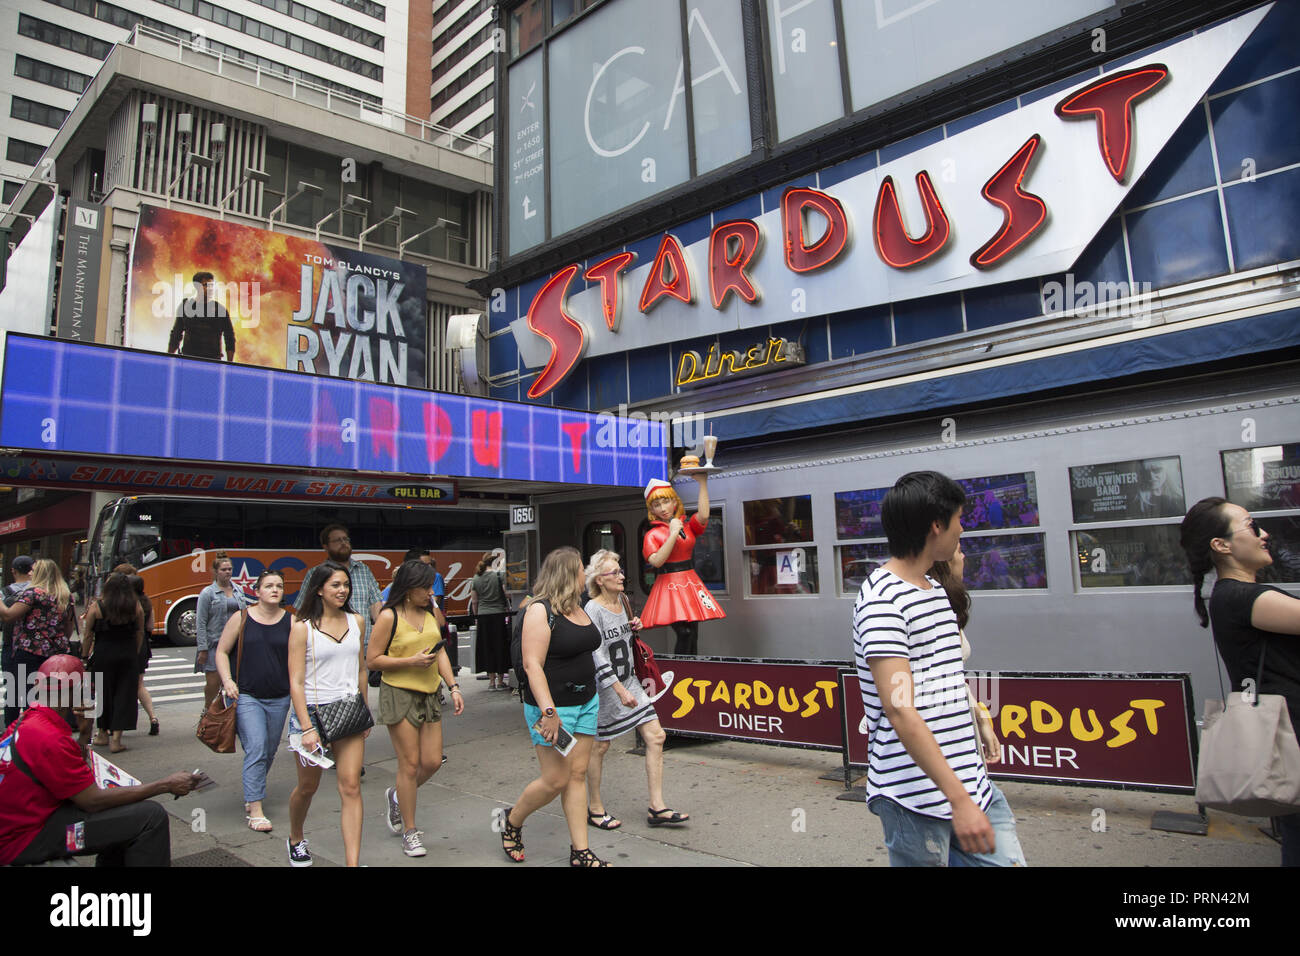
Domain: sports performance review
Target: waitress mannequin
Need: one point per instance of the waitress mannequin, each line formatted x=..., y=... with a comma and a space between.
x=678, y=597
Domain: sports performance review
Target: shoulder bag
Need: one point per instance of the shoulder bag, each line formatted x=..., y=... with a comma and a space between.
x=217, y=725
x=338, y=718
x=643, y=660
x=1250, y=760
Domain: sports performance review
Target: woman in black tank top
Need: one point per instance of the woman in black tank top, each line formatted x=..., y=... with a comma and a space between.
x=561, y=698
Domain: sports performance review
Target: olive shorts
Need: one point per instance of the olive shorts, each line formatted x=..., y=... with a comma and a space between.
x=397, y=704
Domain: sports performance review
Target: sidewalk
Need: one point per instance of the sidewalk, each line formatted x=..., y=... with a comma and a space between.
x=750, y=805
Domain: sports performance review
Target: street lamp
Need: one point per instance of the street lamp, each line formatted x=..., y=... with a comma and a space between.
x=250, y=175
x=191, y=159
x=398, y=213
x=349, y=201
x=303, y=187
x=440, y=224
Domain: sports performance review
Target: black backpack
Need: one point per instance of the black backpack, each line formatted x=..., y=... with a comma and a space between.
x=517, y=645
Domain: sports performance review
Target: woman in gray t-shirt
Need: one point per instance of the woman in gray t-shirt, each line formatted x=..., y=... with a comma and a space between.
x=624, y=704
x=489, y=602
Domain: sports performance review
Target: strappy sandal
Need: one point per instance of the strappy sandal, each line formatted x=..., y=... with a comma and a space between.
x=585, y=858
x=515, y=834
x=258, y=824
x=605, y=821
x=656, y=818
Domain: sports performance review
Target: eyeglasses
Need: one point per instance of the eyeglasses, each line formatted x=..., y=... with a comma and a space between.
x=343, y=540
x=620, y=573
x=1252, y=528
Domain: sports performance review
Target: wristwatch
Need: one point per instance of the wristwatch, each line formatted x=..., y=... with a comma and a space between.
x=549, y=712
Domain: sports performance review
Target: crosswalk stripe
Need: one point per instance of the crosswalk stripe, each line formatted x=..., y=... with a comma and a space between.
x=163, y=700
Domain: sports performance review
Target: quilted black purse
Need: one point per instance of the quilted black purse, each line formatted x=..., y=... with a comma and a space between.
x=338, y=718
x=341, y=718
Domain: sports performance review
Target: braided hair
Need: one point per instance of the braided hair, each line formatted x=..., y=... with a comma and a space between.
x=1205, y=521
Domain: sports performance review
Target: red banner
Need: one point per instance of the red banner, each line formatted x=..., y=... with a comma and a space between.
x=794, y=703
x=1131, y=730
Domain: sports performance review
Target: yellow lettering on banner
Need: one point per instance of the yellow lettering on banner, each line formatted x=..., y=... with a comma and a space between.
x=1076, y=726
x=810, y=701
x=682, y=691
x=721, y=693
x=792, y=705
x=702, y=685
x=1124, y=734
x=742, y=696
x=1148, y=708
x=762, y=694
x=1038, y=710
x=828, y=686
x=1013, y=715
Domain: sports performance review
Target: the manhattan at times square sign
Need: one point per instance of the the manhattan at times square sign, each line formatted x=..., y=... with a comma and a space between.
x=1017, y=197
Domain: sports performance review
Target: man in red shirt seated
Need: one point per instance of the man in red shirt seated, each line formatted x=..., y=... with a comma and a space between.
x=49, y=804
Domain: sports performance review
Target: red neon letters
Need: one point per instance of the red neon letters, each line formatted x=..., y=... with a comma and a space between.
x=1110, y=102
x=734, y=245
x=800, y=256
x=607, y=273
x=546, y=317
x=1024, y=212
x=727, y=269
x=893, y=243
x=668, y=276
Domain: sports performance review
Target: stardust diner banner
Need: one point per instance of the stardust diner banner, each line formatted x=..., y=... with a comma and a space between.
x=1130, y=730
x=294, y=303
x=792, y=703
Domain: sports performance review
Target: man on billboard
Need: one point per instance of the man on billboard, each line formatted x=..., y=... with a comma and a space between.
x=202, y=324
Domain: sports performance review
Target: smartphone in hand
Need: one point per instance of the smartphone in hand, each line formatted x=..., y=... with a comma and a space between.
x=564, y=740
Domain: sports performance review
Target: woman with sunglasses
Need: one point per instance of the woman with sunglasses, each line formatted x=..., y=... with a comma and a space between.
x=326, y=664
x=408, y=650
x=1248, y=619
x=624, y=704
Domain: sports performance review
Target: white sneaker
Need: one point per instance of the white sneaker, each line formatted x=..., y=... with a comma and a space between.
x=411, y=844
x=299, y=855
x=394, y=811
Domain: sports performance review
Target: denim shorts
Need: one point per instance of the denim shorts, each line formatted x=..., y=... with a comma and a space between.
x=580, y=719
x=914, y=839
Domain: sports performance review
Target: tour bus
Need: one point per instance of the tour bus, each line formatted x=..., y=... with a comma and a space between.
x=172, y=541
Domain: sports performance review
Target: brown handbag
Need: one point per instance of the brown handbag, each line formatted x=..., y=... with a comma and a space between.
x=217, y=725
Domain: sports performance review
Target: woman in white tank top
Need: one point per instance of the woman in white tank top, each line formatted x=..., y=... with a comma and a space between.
x=326, y=663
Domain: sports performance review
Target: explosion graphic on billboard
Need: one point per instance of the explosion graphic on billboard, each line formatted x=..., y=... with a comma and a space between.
x=293, y=303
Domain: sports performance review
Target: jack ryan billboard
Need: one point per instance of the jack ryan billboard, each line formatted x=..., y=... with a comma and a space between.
x=292, y=303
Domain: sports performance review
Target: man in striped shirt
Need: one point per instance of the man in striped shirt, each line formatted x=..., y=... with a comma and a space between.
x=925, y=779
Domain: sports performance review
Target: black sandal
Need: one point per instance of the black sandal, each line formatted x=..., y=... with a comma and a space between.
x=657, y=818
x=585, y=858
x=604, y=822
x=153, y=726
x=515, y=835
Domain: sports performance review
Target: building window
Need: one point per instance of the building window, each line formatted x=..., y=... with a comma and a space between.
x=1266, y=482
x=1135, y=554
x=11, y=191
x=50, y=75
x=605, y=536
x=38, y=113
x=62, y=37
x=20, y=151
x=779, y=548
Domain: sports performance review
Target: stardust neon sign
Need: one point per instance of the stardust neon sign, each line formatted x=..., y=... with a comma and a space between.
x=815, y=229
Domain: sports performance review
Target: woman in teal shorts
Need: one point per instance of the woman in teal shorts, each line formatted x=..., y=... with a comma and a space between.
x=560, y=695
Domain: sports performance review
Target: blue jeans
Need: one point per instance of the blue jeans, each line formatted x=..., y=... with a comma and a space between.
x=917, y=840
x=260, y=724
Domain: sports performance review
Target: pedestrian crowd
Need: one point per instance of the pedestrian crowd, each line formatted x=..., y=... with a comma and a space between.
x=572, y=653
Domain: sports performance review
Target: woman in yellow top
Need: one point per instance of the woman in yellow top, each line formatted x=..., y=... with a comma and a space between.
x=407, y=647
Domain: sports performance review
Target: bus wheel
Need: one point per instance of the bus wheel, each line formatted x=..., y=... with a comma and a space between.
x=182, y=626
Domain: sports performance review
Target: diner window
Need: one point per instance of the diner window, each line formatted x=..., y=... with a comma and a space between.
x=779, y=550
x=1132, y=556
x=1147, y=495
x=605, y=536
x=1266, y=482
